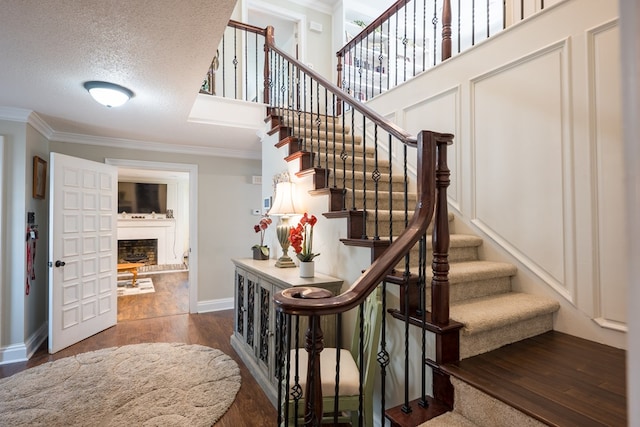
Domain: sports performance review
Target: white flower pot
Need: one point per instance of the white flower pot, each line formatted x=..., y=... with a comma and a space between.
x=307, y=269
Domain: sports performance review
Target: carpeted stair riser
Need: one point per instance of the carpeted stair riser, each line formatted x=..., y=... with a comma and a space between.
x=358, y=164
x=296, y=124
x=496, y=320
x=486, y=411
x=399, y=222
x=313, y=137
x=464, y=283
x=471, y=345
x=397, y=183
x=462, y=247
x=383, y=203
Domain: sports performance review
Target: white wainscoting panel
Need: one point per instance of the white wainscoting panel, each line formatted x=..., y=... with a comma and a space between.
x=519, y=132
x=607, y=140
x=440, y=113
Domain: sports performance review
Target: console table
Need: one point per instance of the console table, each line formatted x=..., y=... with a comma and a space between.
x=254, y=326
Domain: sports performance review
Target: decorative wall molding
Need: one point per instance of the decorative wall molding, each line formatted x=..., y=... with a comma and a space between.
x=605, y=140
x=522, y=135
x=437, y=124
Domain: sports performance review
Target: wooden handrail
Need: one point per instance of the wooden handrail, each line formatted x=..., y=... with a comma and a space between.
x=299, y=301
x=375, y=24
x=247, y=27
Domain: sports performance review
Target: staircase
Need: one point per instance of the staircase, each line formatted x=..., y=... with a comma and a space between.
x=481, y=297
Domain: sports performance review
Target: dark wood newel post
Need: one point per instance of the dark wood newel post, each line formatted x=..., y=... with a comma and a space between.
x=446, y=29
x=269, y=40
x=440, y=281
x=313, y=394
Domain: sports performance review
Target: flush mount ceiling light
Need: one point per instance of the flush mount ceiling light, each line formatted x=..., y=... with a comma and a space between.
x=108, y=94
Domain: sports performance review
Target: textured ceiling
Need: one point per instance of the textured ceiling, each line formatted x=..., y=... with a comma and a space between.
x=160, y=49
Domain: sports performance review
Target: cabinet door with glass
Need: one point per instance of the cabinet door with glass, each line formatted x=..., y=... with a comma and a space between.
x=265, y=327
x=245, y=295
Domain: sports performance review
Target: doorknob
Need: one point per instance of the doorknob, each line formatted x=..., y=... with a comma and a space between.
x=60, y=263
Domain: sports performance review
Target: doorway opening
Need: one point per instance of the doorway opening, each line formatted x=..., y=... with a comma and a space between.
x=158, y=245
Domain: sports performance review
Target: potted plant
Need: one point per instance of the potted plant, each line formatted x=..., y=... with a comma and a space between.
x=261, y=252
x=301, y=239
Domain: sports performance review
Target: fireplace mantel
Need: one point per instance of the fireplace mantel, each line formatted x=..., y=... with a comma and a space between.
x=162, y=229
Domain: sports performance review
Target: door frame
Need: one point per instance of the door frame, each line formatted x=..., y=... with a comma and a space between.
x=281, y=13
x=192, y=170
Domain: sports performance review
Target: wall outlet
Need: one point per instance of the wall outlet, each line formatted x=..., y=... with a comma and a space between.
x=256, y=179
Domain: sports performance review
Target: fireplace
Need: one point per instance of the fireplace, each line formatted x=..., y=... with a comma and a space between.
x=138, y=250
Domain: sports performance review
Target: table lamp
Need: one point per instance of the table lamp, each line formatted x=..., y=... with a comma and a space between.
x=284, y=206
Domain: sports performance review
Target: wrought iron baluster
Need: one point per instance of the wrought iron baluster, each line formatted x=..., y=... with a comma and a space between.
x=336, y=393
x=376, y=178
x=353, y=160
x=459, y=14
x=246, y=68
x=383, y=356
x=334, y=144
x=366, y=69
x=424, y=35
x=390, y=152
x=235, y=63
x=404, y=42
x=488, y=16
x=434, y=21
x=364, y=177
x=414, y=38
x=473, y=22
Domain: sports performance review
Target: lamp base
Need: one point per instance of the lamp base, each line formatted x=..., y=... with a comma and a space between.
x=285, y=262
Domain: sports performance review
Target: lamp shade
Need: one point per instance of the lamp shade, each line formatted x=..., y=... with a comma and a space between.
x=284, y=203
x=108, y=94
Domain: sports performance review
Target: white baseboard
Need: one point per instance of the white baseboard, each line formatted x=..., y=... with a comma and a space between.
x=35, y=340
x=13, y=353
x=215, y=305
x=21, y=352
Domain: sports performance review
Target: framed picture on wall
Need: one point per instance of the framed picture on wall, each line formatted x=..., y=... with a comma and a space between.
x=39, y=177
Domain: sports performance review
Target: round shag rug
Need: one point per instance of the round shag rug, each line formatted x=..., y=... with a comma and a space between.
x=158, y=384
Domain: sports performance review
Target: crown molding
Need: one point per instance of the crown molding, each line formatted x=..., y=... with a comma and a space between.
x=23, y=115
x=14, y=114
x=28, y=116
x=131, y=144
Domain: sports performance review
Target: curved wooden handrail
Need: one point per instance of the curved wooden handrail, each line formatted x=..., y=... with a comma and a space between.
x=372, y=115
x=308, y=302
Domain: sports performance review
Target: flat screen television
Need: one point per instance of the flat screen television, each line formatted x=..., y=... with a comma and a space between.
x=142, y=197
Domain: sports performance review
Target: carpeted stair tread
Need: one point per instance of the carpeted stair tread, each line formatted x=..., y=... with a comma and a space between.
x=471, y=271
x=449, y=419
x=496, y=311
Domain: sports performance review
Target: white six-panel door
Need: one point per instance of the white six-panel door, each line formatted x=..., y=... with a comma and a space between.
x=82, y=249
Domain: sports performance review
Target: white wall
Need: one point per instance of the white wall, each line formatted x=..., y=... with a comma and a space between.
x=537, y=157
x=630, y=35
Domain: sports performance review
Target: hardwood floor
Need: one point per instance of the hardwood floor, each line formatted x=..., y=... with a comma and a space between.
x=171, y=297
x=557, y=378
x=251, y=407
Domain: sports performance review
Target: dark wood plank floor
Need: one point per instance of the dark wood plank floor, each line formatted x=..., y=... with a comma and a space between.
x=171, y=297
x=559, y=379
x=251, y=407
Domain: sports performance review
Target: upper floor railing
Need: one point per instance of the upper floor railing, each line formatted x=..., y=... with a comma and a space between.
x=412, y=36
